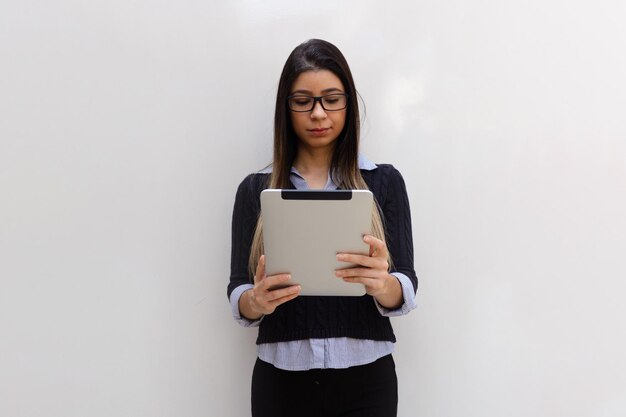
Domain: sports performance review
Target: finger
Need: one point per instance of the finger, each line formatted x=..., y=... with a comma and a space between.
x=260, y=270
x=279, y=294
x=378, y=248
x=284, y=299
x=363, y=260
x=371, y=284
x=271, y=299
x=360, y=272
x=273, y=280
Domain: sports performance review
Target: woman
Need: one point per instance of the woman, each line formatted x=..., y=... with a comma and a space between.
x=323, y=356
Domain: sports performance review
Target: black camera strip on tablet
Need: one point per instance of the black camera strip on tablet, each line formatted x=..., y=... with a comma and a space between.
x=316, y=195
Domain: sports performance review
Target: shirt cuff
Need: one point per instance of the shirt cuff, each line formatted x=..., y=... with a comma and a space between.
x=407, y=294
x=234, y=307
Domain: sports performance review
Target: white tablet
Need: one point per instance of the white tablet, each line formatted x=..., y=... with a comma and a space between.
x=304, y=230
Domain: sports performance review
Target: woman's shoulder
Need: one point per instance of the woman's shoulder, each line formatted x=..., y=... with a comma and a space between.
x=366, y=165
x=255, y=177
x=383, y=172
x=253, y=183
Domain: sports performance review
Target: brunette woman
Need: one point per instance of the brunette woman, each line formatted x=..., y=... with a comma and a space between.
x=323, y=356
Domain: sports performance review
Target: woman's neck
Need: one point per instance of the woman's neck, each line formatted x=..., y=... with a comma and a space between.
x=313, y=166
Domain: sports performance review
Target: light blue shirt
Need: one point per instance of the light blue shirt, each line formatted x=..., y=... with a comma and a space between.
x=338, y=352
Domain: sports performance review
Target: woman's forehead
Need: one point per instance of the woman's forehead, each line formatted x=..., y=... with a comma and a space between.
x=317, y=81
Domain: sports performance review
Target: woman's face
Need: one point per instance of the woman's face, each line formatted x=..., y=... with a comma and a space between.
x=318, y=128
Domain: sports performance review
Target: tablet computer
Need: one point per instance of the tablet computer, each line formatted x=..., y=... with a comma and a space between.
x=304, y=230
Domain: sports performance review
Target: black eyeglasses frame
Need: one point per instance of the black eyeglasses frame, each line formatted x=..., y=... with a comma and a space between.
x=316, y=99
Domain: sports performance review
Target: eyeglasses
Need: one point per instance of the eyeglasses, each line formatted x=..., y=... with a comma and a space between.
x=331, y=102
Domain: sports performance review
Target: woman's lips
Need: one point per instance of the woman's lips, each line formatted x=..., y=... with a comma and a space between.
x=319, y=131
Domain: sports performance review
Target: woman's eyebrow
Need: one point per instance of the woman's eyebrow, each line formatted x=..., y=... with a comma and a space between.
x=331, y=90
x=325, y=91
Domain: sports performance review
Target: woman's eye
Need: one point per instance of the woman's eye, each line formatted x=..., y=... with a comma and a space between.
x=331, y=100
x=300, y=101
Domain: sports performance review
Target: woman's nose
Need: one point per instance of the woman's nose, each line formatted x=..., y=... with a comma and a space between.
x=318, y=111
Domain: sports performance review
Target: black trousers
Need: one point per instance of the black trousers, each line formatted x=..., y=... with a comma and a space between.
x=361, y=391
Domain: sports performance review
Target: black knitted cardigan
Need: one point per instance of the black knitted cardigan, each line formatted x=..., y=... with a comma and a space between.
x=324, y=317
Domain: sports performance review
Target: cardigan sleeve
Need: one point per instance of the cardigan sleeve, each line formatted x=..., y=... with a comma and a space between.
x=245, y=216
x=398, y=230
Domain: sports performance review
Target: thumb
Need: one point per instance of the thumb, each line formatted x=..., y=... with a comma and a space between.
x=260, y=270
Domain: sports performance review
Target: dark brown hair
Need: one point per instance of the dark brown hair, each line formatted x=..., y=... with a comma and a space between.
x=313, y=55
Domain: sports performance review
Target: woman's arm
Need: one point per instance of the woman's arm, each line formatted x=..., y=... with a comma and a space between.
x=257, y=301
x=394, y=290
x=398, y=228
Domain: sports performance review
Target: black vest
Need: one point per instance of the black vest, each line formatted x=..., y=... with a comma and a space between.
x=308, y=317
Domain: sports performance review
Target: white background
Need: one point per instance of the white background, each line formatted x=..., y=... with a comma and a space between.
x=126, y=126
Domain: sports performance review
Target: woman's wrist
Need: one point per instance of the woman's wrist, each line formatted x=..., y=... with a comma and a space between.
x=391, y=298
x=246, y=308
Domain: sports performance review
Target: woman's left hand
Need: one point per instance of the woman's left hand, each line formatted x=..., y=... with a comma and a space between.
x=373, y=272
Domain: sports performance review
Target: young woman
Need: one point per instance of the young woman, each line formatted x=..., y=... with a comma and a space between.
x=323, y=356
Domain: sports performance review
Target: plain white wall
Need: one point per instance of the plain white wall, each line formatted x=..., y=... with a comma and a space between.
x=125, y=128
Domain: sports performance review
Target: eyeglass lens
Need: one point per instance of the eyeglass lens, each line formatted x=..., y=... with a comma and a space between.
x=330, y=102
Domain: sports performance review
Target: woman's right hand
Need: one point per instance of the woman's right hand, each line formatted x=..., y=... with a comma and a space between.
x=260, y=300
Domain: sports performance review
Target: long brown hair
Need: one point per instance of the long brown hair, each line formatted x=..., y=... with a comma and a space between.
x=312, y=55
